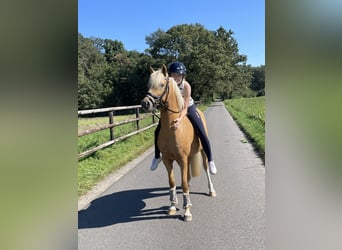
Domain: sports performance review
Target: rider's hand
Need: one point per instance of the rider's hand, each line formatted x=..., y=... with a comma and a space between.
x=177, y=121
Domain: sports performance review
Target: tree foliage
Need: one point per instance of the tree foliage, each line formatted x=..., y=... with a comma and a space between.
x=215, y=67
x=258, y=81
x=109, y=75
x=93, y=86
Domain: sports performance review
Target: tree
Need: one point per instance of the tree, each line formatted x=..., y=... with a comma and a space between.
x=211, y=57
x=258, y=81
x=112, y=48
x=92, y=85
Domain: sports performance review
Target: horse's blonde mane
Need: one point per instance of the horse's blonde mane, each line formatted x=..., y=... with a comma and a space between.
x=157, y=77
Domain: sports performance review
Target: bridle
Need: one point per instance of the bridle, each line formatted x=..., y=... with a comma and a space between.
x=158, y=102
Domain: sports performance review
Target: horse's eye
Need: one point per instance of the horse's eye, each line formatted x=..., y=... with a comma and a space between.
x=162, y=85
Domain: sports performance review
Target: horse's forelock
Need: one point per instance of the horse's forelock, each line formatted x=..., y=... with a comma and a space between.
x=155, y=78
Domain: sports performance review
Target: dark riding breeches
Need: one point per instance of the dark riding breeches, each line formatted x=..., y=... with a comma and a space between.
x=197, y=123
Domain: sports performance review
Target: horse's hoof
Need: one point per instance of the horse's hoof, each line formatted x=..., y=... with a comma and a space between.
x=187, y=218
x=212, y=194
x=187, y=215
x=172, y=211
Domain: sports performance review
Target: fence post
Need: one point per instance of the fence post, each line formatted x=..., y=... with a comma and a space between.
x=111, y=121
x=137, y=116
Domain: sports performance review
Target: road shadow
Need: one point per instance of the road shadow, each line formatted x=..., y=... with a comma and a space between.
x=127, y=206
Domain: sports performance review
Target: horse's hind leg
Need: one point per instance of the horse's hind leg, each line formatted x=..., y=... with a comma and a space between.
x=212, y=191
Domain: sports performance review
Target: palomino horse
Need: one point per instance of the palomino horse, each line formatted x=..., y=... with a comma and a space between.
x=182, y=144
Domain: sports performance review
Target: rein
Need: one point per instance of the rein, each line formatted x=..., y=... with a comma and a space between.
x=158, y=99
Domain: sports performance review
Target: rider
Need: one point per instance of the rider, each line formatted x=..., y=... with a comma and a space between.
x=177, y=71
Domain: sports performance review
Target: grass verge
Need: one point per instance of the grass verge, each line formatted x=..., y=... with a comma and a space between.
x=249, y=114
x=94, y=168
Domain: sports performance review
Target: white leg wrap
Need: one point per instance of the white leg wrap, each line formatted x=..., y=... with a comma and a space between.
x=186, y=201
x=173, y=196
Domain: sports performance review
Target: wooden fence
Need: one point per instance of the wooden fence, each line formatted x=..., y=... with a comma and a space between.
x=112, y=124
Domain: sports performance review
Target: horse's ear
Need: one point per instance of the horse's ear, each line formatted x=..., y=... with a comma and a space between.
x=151, y=70
x=164, y=70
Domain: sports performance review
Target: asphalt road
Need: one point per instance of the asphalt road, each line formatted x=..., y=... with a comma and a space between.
x=131, y=213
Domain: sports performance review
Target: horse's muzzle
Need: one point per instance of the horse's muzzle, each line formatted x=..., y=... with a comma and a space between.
x=147, y=104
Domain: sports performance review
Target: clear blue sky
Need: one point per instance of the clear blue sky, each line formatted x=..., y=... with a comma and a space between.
x=130, y=21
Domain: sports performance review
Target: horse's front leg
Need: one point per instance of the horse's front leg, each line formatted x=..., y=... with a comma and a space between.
x=184, y=165
x=172, y=183
x=187, y=205
x=189, y=174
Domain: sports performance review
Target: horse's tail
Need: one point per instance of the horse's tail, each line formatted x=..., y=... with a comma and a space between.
x=196, y=164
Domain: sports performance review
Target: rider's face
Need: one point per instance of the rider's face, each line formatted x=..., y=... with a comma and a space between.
x=177, y=77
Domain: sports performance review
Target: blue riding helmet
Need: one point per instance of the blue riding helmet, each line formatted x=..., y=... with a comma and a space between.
x=177, y=68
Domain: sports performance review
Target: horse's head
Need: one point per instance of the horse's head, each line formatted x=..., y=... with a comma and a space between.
x=158, y=88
